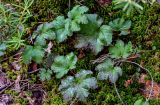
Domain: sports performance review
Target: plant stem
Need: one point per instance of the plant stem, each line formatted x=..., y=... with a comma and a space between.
x=69, y=4
x=115, y=87
x=147, y=99
x=79, y=2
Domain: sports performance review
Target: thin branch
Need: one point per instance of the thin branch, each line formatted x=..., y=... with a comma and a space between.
x=115, y=87
x=100, y=59
x=34, y=71
x=79, y=2
x=6, y=87
x=147, y=99
x=10, y=56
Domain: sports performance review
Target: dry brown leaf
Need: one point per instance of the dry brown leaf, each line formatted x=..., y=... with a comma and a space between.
x=155, y=92
x=147, y=87
x=128, y=82
x=34, y=67
x=81, y=54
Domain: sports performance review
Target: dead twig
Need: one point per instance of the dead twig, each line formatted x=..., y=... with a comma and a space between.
x=34, y=71
x=79, y=2
x=10, y=56
x=7, y=87
x=100, y=59
x=152, y=81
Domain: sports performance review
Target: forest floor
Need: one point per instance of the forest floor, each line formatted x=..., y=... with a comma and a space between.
x=20, y=83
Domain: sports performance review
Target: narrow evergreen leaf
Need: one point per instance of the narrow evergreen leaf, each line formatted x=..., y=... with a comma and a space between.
x=127, y=5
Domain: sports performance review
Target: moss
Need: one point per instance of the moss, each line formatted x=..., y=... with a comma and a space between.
x=10, y=72
x=33, y=78
x=61, y=49
x=17, y=100
x=51, y=84
x=53, y=96
x=154, y=102
x=144, y=32
x=152, y=62
x=46, y=10
x=85, y=63
x=105, y=94
x=145, y=27
x=53, y=99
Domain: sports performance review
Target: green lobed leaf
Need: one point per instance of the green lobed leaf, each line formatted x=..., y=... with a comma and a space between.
x=77, y=12
x=104, y=38
x=120, y=50
x=94, y=23
x=45, y=74
x=78, y=86
x=97, y=37
x=62, y=64
x=107, y=70
x=41, y=40
x=38, y=54
x=2, y=49
x=44, y=32
x=77, y=17
x=120, y=24
x=62, y=28
x=35, y=53
x=27, y=54
x=141, y=102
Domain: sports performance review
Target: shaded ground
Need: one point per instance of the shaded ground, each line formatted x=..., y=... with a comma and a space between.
x=145, y=35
